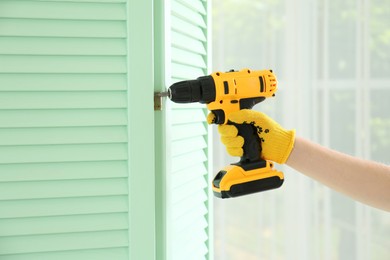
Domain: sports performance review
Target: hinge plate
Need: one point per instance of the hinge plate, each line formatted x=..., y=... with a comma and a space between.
x=158, y=96
x=157, y=101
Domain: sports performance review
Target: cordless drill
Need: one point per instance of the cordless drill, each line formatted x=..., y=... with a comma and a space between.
x=225, y=93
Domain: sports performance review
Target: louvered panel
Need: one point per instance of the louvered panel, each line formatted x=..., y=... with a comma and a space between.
x=62, y=171
x=62, y=46
x=62, y=28
x=62, y=242
x=62, y=82
x=62, y=206
x=188, y=178
x=63, y=224
x=188, y=130
x=62, y=135
x=62, y=117
x=95, y=254
x=63, y=130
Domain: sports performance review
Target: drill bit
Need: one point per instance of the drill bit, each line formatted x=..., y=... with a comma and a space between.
x=163, y=94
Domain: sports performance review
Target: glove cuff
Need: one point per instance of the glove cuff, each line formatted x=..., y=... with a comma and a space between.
x=283, y=145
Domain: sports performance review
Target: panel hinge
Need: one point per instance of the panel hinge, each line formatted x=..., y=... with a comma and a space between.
x=158, y=96
x=157, y=102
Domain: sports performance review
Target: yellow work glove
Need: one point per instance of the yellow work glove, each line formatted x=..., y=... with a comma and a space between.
x=277, y=142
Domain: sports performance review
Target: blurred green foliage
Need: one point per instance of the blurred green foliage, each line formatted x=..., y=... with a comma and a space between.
x=379, y=29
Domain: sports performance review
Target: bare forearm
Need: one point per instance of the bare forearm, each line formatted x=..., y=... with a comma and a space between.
x=365, y=181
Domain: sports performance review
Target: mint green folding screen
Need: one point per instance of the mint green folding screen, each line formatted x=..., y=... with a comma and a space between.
x=77, y=131
x=185, y=222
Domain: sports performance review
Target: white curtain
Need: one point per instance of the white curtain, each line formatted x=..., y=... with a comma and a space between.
x=332, y=59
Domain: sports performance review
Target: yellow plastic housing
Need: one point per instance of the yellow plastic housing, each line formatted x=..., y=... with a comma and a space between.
x=233, y=87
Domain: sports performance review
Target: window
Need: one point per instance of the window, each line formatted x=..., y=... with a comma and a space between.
x=332, y=60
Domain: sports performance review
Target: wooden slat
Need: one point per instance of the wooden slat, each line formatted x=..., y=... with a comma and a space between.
x=195, y=203
x=63, y=100
x=58, y=117
x=185, y=176
x=183, y=116
x=63, y=135
x=188, y=130
x=63, y=153
x=192, y=238
x=185, y=42
x=62, y=242
x=62, y=82
x=62, y=189
x=63, y=206
x=186, y=227
x=62, y=46
x=63, y=64
x=188, y=145
x=188, y=58
x=62, y=28
x=188, y=160
x=189, y=105
x=63, y=224
x=183, y=72
x=62, y=10
x=86, y=1
x=188, y=190
x=196, y=244
x=62, y=171
x=186, y=28
x=188, y=14
x=117, y=253
x=184, y=222
x=197, y=6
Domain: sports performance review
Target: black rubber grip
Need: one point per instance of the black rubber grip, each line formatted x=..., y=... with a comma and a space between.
x=251, y=158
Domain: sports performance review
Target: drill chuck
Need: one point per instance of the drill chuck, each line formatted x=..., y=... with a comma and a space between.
x=200, y=90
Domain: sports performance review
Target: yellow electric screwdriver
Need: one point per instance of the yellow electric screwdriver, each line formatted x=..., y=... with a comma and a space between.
x=224, y=93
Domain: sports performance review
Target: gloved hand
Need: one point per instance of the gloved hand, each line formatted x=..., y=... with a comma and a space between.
x=277, y=142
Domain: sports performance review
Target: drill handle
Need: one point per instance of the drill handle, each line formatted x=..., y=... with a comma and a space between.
x=251, y=158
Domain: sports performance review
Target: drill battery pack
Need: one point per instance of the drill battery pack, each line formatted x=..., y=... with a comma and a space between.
x=238, y=180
